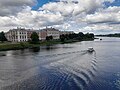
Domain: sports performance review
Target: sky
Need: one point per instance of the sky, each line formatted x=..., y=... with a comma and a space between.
x=93, y=16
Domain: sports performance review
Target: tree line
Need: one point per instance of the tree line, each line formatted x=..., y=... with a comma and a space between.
x=79, y=36
x=110, y=35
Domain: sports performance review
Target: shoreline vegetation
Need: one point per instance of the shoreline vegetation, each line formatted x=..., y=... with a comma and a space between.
x=109, y=35
x=64, y=39
x=26, y=45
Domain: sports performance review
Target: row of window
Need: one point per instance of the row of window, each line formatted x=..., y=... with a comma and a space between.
x=23, y=40
x=53, y=33
x=15, y=32
x=22, y=33
x=23, y=37
x=16, y=37
x=16, y=40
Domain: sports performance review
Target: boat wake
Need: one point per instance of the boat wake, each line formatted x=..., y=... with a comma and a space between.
x=70, y=70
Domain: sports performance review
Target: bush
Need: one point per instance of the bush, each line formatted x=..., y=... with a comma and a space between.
x=2, y=37
x=48, y=38
x=34, y=38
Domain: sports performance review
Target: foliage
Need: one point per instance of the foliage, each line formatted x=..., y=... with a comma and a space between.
x=48, y=38
x=2, y=37
x=13, y=46
x=89, y=35
x=68, y=38
x=62, y=38
x=80, y=36
x=110, y=35
x=34, y=38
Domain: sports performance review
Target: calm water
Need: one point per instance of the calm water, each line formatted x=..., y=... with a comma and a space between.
x=63, y=67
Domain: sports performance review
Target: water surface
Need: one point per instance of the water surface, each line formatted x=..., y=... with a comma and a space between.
x=63, y=67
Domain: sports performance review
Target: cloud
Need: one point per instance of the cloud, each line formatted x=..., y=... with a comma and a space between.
x=31, y=19
x=101, y=28
x=11, y=7
x=109, y=15
x=68, y=9
x=86, y=15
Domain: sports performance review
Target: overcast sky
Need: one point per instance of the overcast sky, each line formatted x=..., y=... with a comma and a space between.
x=97, y=16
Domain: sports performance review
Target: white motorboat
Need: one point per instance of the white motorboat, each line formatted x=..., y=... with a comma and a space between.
x=90, y=49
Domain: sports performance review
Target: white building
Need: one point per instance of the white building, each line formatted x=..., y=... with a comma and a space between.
x=66, y=32
x=53, y=32
x=17, y=35
x=21, y=34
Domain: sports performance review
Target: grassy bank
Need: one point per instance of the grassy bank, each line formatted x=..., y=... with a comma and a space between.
x=24, y=45
x=13, y=46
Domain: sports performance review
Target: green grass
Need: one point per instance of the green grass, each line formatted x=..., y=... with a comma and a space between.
x=52, y=42
x=23, y=45
x=13, y=46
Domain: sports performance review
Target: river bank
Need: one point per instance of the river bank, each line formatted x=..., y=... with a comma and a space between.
x=24, y=45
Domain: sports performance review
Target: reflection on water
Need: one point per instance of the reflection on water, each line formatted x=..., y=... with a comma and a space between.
x=62, y=67
x=35, y=49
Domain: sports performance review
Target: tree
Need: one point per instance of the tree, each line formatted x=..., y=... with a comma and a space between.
x=34, y=38
x=2, y=37
x=48, y=38
x=89, y=35
x=51, y=37
x=62, y=38
x=92, y=35
x=80, y=36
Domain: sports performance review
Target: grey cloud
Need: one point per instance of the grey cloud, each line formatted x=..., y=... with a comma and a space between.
x=28, y=18
x=109, y=15
x=11, y=7
x=86, y=16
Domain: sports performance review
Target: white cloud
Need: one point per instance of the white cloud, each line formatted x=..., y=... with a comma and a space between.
x=67, y=9
x=31, y=19
x=110, y=15
x=86, y=15
x=101, y=28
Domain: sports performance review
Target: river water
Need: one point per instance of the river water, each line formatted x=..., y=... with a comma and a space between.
x=63, y=67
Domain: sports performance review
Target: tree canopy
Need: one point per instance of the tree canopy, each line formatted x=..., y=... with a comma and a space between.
x=80, y=36
x=48, y=38
x=2, y=37
x=34, y=38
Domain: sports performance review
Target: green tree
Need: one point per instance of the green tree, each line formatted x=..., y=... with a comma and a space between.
x=89, y=35
x=51, y=37
x=80, y=36
x=34, y=38
x=48, y=38
x=2, y=37
x=62, y=38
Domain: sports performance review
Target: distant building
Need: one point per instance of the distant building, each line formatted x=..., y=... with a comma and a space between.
x=17, y=35
x=43, y=34
x=66, y=32
x=29, y=32
x=22, y=34
x=53, y=32
x=49, y=32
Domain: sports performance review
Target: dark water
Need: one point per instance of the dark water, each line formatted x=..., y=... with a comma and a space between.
x=63, y=67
